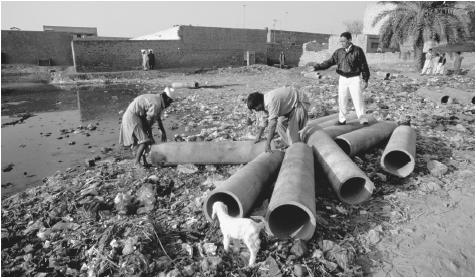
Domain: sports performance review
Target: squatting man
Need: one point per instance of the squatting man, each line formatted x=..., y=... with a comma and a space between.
x=285, y=109
x=137, y=122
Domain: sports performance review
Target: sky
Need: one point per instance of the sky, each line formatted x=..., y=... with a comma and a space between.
x=132, y=19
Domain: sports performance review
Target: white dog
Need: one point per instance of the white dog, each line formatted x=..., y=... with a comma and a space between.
x=238, y=228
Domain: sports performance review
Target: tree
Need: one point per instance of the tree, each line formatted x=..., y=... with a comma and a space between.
x=354, y=26
x=417, y=22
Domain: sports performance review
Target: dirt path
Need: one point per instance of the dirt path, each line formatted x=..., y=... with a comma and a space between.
x=438, y=240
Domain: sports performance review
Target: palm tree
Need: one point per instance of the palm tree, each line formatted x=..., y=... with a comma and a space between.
x=416, y=22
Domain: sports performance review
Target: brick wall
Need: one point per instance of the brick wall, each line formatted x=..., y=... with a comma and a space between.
x=26, y=47
x=293, y=53
x=297, y=38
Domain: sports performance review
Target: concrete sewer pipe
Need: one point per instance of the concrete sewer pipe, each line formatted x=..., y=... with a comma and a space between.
x=330, y=120
x=292, y=208
x=223, y=152
x=462, y=97
x=398, y=157
x=351, y=184
x=437, y=97
x=190, y=85
x=334, y=130
x=240, y=191
x=363, y=139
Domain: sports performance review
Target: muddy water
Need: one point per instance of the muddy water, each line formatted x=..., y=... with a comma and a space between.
x=37, y=148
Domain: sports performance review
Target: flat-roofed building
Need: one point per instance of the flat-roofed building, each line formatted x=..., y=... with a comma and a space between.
x=79, y=32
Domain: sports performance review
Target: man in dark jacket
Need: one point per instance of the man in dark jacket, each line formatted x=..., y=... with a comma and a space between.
x=351, y=64
x=151, y=59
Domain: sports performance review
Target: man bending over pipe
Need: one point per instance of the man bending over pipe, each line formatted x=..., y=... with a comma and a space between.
x=137, y=122
x=351, y=63
x=285, y=109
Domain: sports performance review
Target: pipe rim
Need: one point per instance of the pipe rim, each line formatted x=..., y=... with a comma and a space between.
x=402, y=171
x=352, y=193
x=344, y=144
x=225, y=197
x=305, y=232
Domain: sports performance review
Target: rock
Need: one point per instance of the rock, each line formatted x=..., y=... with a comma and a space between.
x=153, y=179
x=91, y=127
x=270, y=268
x=90, y=162
x=299, y=248
x=430, y=186
x=146, y=198
x=373, y=236
x=317, y=254
x=188, y=248
x=210, y=248
x=122, y=202
x=188, y=271
x=298, y=270
x=329, y=265
x=129, y=245
x=213, y=262
x=29, y=248
x=174, y=273
x=381, y=176
x=326, y=245
x=436, y=168
x=71, y=143
x=204, y=265
x=187, y=169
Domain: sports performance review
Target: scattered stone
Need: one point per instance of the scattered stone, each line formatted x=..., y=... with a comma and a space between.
x=270, y=268
x=122, y=202
x=317, y=254
x=146, y=198
x=187, y=169
x=436, y=168
x=298, y=270
x=90, y=162
x=210, y=248
x=299, y=248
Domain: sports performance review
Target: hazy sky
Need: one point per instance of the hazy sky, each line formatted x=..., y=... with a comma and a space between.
x=132, y=19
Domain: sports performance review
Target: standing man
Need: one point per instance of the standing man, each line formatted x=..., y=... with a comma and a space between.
x=145, y=59
x=282, y=60
x=151, y=59
x=428, y=64
x=285, y=109
x=351, y=64
x=457, y=63
x=137, y=122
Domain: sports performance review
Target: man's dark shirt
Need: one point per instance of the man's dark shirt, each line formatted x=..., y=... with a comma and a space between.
x=349, y=64
x=151, y=59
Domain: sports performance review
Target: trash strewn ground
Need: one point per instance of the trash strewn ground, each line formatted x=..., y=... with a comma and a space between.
x=109, y=218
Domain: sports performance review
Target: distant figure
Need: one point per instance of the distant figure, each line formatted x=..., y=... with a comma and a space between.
x=137, y=122
x=387, y=76
x=145, y=60
x=435, y=60
x=440, y=69
x=457, y=64
x=282, y=59
x=151, y=59
x=427, y=67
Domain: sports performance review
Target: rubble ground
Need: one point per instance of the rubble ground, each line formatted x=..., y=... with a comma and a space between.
x=109, y=218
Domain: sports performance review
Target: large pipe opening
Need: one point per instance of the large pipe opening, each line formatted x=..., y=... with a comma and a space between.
x=234, y=208
x=398, y=162
x=472, y=100
x=445, y=99
x=343, y=144
x=290, y=221
x=353, y=190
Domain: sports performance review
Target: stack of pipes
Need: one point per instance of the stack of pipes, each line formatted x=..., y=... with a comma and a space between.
x=327, y=149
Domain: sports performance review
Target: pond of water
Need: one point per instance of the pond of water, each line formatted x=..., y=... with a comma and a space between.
x=37, y=147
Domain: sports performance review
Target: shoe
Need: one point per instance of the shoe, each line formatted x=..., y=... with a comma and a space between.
x=341, y=123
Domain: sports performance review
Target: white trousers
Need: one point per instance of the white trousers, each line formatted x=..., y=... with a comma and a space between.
x=427, y=67
x=350, y=85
